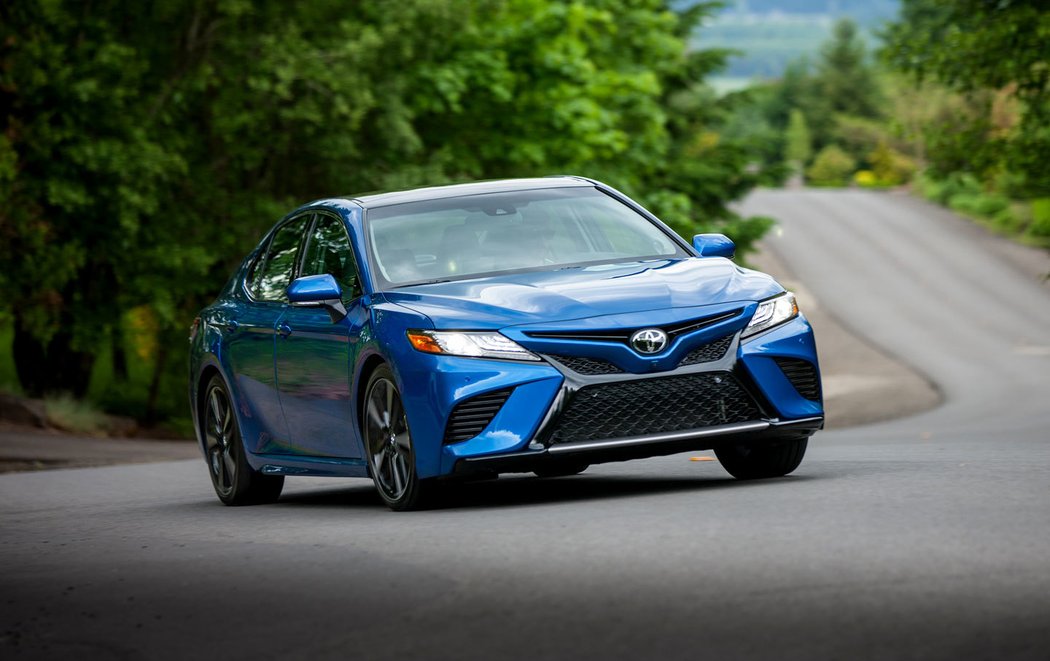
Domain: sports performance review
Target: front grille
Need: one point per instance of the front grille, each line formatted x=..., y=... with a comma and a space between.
x=588, y=366
x=803, y=375
x=708, y=352
x=652, y=406
x=469, y=418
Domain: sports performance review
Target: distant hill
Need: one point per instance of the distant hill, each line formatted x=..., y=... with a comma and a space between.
x=771, y=33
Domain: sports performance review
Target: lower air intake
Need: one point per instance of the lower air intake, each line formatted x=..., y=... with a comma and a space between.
x=653, y=406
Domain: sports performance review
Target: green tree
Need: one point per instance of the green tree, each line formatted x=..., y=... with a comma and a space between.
x=146, y=146
x=976, y=47
x=799, y=146
x=845, y=77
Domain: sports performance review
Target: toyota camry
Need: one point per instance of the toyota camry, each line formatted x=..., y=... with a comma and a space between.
x=529, y=325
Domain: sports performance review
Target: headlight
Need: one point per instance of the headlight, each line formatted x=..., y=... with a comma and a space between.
x=771, y=313
x=463, y=343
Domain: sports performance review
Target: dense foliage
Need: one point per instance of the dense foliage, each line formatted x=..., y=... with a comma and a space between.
x=997, y=55
x=146, y=146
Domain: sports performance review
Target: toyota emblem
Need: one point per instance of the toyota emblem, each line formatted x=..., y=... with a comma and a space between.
x=649, y=340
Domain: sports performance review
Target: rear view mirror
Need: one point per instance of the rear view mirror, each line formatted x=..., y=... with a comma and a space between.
x=714, y=245
x=318, y=291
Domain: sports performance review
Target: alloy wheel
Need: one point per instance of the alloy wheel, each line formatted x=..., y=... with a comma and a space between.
x=219, y=431
x=388, y=440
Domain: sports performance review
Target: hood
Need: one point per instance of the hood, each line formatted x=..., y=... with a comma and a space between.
x=576, y=293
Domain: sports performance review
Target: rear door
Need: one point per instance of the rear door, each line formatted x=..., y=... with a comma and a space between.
x=315, y=357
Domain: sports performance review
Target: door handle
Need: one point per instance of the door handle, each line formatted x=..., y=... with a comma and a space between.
x=284, y=330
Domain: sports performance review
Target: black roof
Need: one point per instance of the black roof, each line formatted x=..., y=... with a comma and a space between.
x=462, y=190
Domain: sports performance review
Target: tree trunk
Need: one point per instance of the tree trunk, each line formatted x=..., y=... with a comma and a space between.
x=120, y=360
x=52, y=367
x=154, y=385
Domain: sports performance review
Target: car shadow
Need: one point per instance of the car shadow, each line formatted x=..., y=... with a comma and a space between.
x=527, y=491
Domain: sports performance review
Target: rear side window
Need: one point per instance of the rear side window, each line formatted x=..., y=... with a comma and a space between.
x=328, y=251
x=271, y=280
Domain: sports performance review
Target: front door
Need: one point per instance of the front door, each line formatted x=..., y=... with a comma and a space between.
x=250, y=341
x=315, y=357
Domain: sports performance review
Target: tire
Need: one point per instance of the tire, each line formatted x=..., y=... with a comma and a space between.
x=234, y=480
x=561, y=469
x=388, y=445
x=753, y=462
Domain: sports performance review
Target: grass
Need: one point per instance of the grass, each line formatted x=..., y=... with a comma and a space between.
x=106, y=394
x=74, y=415
x=1014, y=219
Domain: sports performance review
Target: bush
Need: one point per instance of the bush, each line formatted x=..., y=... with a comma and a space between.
x=73, y=415
x=831, y=167
x=1040, y=225
x=891, y=168
x=866, y=179
x=984, y=205
x=1010, y=220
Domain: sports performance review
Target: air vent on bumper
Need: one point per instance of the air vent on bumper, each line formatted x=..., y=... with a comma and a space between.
x=470, y=417
x=803, y=375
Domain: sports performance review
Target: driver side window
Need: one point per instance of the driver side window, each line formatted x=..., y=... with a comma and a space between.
x=328, y=250
x=272, y=279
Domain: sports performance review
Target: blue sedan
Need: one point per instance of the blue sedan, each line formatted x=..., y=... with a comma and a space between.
x=528, y=325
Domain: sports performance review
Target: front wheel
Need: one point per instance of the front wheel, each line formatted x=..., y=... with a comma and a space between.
x=391, y=458
x=234, y=480
x=752, y=462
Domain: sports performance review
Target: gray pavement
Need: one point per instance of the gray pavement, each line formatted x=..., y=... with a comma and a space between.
x=862, y=383
x=919, y=538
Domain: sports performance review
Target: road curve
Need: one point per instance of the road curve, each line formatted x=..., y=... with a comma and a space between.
x=921, y=538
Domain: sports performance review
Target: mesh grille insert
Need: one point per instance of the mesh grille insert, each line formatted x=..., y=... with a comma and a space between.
x=708, y=352
x=651, y=406
x=803, y=375
x=589, y=366
x=469, y=418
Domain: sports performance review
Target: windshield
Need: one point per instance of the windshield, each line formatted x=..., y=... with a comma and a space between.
x=475, y=235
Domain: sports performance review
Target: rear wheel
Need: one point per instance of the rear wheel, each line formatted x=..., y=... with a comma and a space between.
x=391, y=457
x=234, y=480
x=751, y=462
x=561, y=469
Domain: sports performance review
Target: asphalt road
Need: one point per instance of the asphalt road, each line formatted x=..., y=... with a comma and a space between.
x=923, y=538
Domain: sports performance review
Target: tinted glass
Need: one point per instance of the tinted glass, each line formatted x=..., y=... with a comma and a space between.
x=463, y=237
x=328, y=251
x=273, y=278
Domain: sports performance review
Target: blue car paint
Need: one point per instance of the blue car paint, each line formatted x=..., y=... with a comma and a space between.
x=645, y=293
x=714, y=245
x=314, y=288
x=791, y=340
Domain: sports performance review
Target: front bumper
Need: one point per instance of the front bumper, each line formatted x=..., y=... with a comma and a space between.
x=638, y=447
x=529, y=429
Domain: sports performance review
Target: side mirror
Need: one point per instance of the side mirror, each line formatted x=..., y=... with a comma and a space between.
x=714, y=245
x=318, y=291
